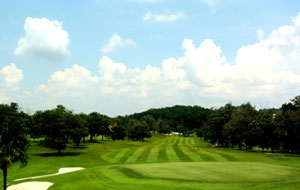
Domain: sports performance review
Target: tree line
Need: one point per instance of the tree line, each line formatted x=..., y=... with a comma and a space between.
x=245, y=127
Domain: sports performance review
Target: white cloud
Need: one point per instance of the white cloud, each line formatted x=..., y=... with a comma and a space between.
x=266, y=73
x=77, y=77
x=109, y=69
x=11, y=76
x=114, y=42
x=166, y=16
x=44, y=39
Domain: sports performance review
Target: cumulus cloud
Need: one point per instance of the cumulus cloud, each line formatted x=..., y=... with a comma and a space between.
x=166, y=16
x=11, y=76
x=44, y=39
x=265, y=73
x=76, y=77
x=114, y=42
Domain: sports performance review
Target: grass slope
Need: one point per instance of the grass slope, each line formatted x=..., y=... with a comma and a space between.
x=160, y=163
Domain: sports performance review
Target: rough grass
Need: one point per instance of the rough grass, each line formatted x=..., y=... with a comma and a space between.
x=160, y=163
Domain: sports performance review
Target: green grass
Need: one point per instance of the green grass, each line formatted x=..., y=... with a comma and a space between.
x=160, y=163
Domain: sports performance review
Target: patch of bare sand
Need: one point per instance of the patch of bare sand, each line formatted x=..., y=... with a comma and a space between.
x=60, y=171
x=32, y=185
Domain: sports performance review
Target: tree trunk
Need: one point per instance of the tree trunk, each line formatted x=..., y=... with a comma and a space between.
x=59, y=152
x=102, y=137
x=4, y=175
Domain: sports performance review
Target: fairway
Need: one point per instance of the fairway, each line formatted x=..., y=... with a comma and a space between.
x=162, y=162
x=239, y=172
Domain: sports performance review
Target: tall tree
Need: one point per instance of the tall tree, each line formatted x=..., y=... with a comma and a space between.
x=213, y=129
x=78, y=128
x=97, y=124
x=13, y=140
x=238, y=126
x=54, y=128
x=138, y=130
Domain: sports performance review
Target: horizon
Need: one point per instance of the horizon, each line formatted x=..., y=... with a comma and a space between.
x=128, y=56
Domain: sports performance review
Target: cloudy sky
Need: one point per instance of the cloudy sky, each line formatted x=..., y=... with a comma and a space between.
x=125, y=56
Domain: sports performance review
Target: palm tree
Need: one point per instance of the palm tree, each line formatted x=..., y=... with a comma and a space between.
x=13, y=140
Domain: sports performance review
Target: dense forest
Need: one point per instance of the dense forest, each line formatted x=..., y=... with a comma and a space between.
x=231, y=126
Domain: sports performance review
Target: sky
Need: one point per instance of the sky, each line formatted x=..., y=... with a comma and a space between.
x=125, y=56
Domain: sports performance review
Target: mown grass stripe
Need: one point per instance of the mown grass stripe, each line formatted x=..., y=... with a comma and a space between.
x=162, y=154
x=172, y=140
x=118, y=156
x=152, y=157
x=206, y=157
x=167, y=139
x=144, y=155
x=184, y=141
x=132, y=158
x=181, y=140
x=191, y=141
x=227, y=157
x=181, y=155
x=192, y=152
x=125, y=157
x=110, y=155
x=171, y=154
x=216, y=155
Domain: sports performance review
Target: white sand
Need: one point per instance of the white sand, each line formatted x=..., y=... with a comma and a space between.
x=33, y=185
x=60, y=171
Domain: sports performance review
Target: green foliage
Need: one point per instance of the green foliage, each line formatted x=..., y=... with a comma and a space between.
x=13, y=140
x=187, y=117
x=53, y=125
x=97, y=125
x=78, y=127
x=243, y=126
x=117, y=129
x=138, y=130
x=213, y=129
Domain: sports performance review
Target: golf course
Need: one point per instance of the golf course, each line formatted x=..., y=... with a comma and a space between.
x=161, y=162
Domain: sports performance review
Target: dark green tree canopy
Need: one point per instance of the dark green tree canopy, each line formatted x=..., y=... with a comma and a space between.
x=13, y=139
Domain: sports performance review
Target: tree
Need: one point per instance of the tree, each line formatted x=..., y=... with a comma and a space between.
x=78, y=127
x=13, y=140
x=97, y=124
x=296, y=102
x=238, y=126
x=138, y=130
x=150, y=121
x=162, y=127
x=36, y=129
x=213, y=130
x=117, y=131
x=54, y=128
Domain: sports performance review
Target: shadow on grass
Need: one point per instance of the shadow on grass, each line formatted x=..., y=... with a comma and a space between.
x=79, y=147
x=63, y=154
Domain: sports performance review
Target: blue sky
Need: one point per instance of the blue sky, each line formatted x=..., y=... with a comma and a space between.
x=125, y=56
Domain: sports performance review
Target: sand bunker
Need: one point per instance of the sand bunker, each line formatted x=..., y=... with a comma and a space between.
x=60, y=171
x=33, y=185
